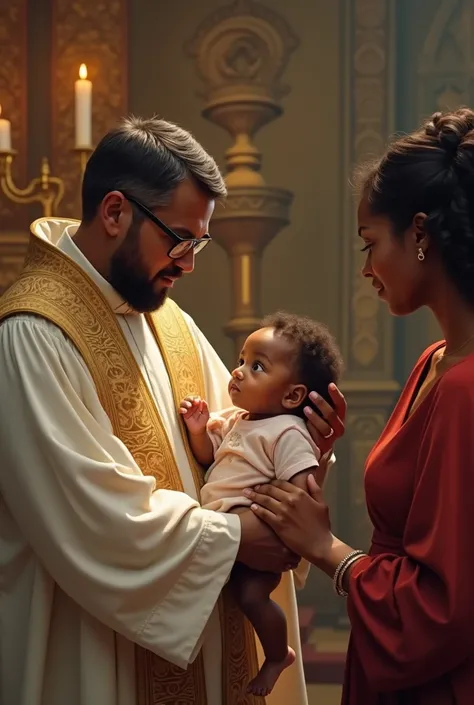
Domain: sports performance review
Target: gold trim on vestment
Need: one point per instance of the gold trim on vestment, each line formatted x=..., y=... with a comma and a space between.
x=54, y=287
x=184, y=367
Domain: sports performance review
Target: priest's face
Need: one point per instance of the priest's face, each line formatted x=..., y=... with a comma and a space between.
x=141, y=270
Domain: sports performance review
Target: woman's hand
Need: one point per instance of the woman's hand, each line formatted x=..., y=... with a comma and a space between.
x=325, y=431
x=301, y=520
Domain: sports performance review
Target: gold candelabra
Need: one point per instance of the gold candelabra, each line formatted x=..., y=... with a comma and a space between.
x=45, y=189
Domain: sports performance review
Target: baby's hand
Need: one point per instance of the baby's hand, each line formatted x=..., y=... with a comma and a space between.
x=195, y=413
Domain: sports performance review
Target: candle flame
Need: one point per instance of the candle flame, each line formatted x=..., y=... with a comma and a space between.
x=83, y=72
x=0, y=109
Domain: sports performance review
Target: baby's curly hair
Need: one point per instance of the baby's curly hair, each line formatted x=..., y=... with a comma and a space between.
x=317, y=356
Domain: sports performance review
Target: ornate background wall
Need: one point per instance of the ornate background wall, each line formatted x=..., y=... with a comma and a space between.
x=42, y=45
x=435, y=71
x=13, y=75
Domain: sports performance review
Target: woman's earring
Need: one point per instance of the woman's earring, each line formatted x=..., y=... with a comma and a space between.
x=421, y=254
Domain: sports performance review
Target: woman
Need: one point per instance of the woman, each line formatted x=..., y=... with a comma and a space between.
x=411, y=599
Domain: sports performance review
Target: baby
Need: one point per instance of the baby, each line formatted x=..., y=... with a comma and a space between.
x=261, y=438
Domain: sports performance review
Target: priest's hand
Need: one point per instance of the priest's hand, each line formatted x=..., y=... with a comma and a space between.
x=195, y=413
x=326, y=430
x=261, y=549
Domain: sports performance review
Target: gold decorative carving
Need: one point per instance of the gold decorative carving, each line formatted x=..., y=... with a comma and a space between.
x=13, y=97
x=244, y=44
x=241, y=53
x=95, y=34
x=249, y=202
x=367, y=328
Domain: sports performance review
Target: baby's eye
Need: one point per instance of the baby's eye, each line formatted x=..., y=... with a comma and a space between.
x=240, y=362
x=257, y=367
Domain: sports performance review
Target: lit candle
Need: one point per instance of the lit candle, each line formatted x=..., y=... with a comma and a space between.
x=83, y=91
x=5, y=134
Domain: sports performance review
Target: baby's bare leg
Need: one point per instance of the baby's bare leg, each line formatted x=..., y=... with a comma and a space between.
x=252, y=589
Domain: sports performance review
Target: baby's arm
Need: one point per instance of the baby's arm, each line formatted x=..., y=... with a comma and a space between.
x=195, y=414
x=201, y=446
x=319, y=473
x=296, y=457
x=301, y=479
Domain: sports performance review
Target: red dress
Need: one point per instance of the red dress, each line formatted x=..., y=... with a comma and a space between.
x=411, y=602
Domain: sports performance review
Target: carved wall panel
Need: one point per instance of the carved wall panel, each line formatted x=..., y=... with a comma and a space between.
x=13, y=97
x=446, y=62
x=367, y=328
x=370, y=82
x=95, y=34
x=446, y=74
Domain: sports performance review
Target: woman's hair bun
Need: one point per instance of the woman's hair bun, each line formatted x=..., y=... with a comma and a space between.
x=450, y=129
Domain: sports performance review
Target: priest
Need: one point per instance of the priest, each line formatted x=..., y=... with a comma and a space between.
x=112, y=575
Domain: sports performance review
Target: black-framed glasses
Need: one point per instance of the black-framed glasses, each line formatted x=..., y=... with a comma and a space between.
x=182, y=244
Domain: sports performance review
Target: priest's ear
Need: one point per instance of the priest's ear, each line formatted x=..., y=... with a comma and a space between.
x=294, y=396
x=116, y=214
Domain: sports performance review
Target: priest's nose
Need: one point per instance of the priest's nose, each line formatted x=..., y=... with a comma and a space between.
x=186, y=263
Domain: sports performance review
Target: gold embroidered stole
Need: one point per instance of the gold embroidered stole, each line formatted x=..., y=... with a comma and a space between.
x=54, y=287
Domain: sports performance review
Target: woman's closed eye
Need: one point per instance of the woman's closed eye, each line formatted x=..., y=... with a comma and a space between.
x=366, y=247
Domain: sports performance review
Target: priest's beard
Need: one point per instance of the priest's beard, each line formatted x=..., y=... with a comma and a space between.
x=130, y=279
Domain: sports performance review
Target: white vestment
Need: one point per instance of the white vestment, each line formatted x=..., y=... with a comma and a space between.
x=92, y=557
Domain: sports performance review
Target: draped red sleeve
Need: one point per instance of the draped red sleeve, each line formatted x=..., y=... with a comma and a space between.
x=411, y=603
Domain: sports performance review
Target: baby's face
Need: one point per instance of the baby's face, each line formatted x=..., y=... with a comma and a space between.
x=265, y=374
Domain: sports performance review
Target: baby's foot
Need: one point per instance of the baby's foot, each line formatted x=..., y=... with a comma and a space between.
x=268, y=675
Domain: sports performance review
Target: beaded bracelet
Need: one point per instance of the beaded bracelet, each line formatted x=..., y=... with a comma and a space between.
x=343, y=592
x=341, y=570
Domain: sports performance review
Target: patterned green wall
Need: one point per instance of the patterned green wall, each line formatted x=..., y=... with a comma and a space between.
x=435, y=71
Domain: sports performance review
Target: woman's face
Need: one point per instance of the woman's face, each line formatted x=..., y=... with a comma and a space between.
x=392, y=263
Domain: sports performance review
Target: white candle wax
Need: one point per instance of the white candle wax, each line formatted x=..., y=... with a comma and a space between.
x=5, y=134
x=83, y=91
